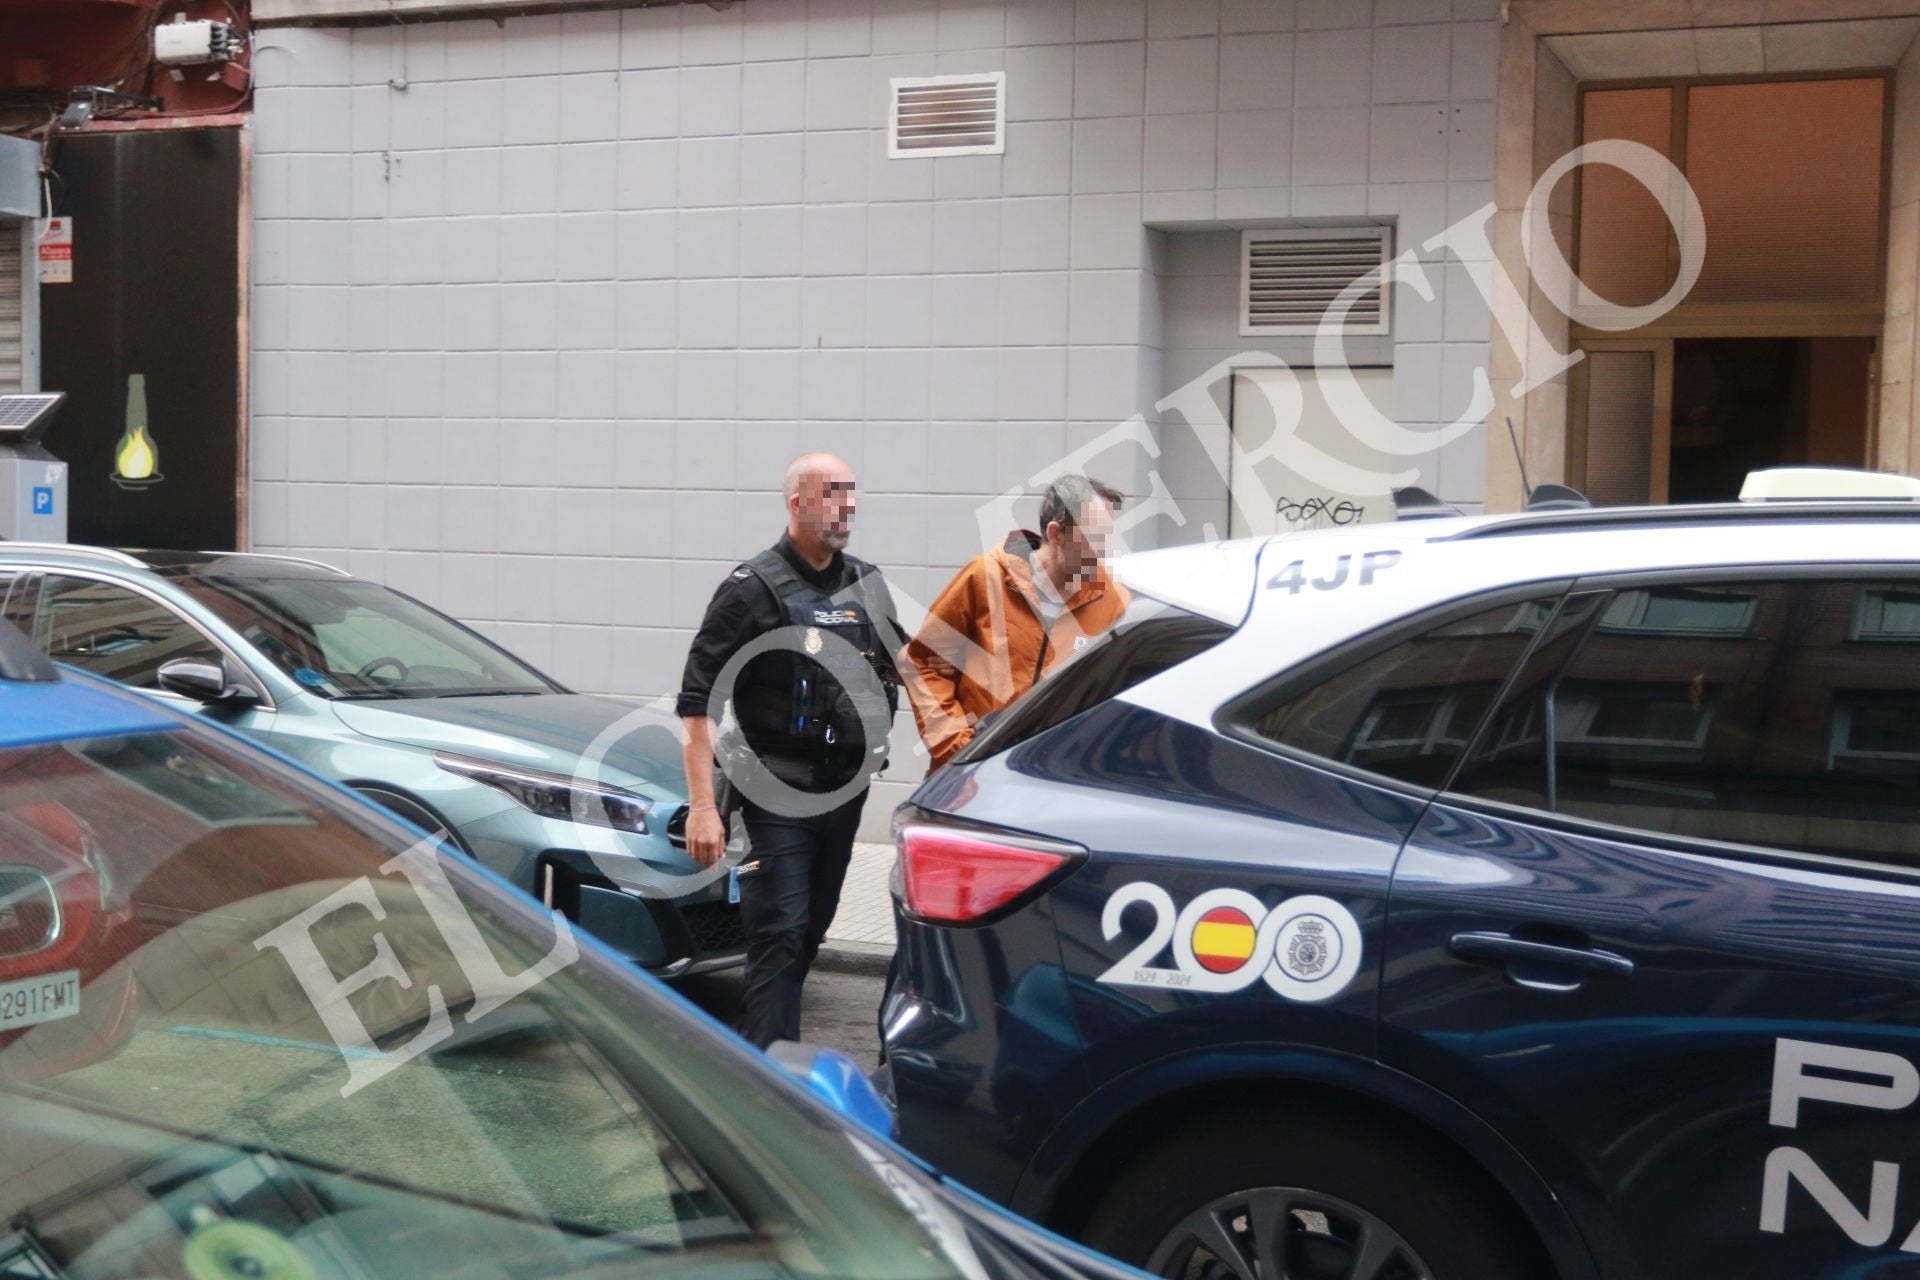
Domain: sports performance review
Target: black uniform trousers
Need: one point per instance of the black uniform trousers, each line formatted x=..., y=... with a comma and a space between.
x=789, y=891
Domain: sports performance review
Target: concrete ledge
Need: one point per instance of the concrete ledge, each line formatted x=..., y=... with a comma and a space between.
x=283, y=13
x=869, y=958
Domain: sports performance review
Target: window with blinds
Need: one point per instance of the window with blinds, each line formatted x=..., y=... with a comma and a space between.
x=12, y=309
x=1290, y=278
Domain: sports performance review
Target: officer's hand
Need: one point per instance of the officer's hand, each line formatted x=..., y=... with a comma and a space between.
x=706, y=837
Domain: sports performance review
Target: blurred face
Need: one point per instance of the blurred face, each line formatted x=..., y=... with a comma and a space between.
x=1083, y=546
x=823, y=506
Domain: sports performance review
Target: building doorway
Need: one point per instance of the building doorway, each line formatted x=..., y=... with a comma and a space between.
x=1741, y=404
x=1769, y=358
x=1685, y=419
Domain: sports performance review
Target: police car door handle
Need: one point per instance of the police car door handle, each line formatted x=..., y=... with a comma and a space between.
x=1504, y=948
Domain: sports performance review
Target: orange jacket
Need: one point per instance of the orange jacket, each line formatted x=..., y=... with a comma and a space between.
x=983, y=643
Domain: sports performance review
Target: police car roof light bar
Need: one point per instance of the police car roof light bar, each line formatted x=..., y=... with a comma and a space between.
x=1827, y=484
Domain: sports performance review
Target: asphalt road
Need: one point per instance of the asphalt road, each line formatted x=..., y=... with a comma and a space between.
x=840, y=1009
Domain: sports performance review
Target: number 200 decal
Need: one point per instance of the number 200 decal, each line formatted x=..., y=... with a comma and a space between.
x=1307, y=948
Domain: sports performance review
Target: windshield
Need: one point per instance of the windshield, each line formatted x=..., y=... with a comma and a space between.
x=243, y=1023
x=344, y=638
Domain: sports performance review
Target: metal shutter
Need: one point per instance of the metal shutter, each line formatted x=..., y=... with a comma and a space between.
x=12, y=319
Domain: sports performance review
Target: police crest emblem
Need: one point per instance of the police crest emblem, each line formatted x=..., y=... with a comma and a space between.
x=1312, y=947
x=1308, y=949
x=813, y=642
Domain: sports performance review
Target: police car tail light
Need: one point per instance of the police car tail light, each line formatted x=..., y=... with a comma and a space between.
x=961, y=876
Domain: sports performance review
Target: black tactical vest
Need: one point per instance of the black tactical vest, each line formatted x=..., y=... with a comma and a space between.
x=792, y=709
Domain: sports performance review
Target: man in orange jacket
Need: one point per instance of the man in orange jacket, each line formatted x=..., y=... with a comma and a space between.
x=1014, y=613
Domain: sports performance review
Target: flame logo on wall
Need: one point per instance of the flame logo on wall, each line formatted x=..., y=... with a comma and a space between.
x=136, y=459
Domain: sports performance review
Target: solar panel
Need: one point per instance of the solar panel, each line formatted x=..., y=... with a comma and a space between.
x=26, y=416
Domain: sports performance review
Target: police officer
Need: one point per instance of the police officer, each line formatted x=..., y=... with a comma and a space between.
x=791, y=682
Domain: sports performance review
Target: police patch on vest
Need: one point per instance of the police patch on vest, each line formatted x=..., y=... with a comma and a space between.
x=836, y=617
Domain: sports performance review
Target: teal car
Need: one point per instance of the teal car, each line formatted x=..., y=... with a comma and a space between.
x=577, y=799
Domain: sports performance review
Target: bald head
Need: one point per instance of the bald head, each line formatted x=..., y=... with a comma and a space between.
x=813, y=466
x=819, y=489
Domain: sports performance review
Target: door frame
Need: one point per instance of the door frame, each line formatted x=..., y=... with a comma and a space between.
x=1660, y=438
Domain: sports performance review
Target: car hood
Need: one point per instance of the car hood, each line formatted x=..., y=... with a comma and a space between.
x=551, y=731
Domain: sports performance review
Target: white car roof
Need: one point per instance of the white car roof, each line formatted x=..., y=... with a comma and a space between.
x=1295, y=595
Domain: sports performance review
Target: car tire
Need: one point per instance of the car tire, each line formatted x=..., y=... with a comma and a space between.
x=1343, y=1197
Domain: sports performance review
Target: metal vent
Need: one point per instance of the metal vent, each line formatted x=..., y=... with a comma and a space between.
x=948, y=116
x=1288, y=279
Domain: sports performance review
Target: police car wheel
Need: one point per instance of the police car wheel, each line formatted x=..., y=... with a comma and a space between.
x=1291, y=1198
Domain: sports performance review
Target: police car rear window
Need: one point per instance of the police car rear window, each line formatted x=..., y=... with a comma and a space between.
x=1407, y=711
x=1151, y=639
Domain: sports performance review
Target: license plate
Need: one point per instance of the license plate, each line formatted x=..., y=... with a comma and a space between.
x=733, y=884
x=44, y=999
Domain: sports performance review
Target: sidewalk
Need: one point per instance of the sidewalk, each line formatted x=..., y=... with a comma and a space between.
x=861, y=939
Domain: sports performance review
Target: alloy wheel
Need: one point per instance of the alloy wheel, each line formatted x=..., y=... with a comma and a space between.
x=1285, y=1233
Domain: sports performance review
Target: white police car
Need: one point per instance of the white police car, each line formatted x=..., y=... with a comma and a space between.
x=1463, y=897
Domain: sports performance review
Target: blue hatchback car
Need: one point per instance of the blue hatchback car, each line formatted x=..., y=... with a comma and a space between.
x=251, y=1026
x=1534, y=895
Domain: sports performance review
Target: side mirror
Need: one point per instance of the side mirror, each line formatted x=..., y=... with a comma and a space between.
x=836, y=1080
x=204, y=682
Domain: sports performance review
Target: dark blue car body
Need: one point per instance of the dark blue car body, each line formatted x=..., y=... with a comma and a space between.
x=1654, y=1054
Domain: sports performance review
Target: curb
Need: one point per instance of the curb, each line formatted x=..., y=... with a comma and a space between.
x=871, y=959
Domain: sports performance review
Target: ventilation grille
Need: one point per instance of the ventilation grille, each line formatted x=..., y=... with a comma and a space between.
x=949, y=116
x=1288, y=279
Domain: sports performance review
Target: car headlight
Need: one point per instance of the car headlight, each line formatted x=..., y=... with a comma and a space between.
x=554, y=795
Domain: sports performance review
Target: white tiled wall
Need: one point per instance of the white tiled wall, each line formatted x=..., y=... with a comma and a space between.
x=542, y=308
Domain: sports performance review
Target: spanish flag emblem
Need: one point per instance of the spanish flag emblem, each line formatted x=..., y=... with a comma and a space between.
x=1223, y=939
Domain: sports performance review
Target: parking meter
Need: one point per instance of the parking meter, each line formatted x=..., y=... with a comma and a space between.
x=33, y=483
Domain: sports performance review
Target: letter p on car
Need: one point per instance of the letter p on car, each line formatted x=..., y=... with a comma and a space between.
x=1890, y=1082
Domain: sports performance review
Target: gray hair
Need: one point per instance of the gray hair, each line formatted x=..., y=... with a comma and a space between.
x=1068, y=496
